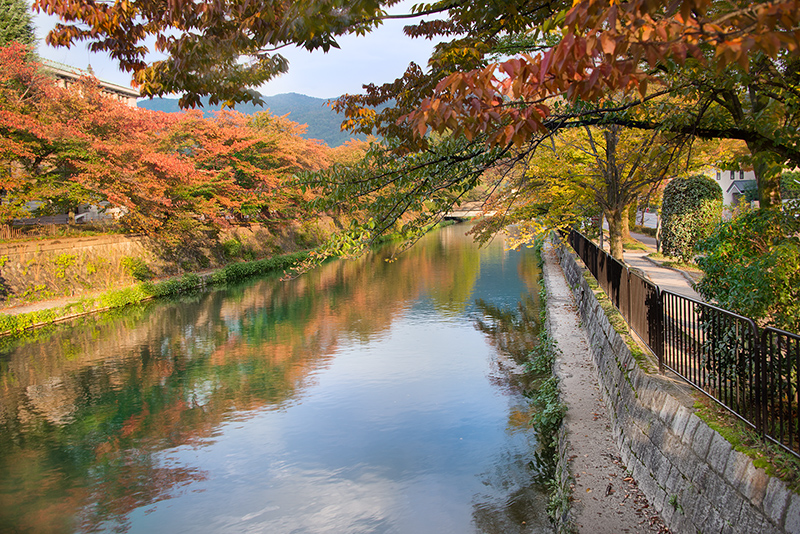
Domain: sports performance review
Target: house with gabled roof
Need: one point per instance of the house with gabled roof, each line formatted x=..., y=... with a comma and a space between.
x=734, y=185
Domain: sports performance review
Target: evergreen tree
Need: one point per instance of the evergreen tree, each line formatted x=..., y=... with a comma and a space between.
x=16, y=24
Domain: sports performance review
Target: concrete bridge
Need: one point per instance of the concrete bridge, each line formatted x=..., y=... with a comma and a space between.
x=466, y=211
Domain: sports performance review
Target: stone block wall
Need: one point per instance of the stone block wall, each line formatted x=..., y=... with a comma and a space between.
x=689, y=472
x=52, y=268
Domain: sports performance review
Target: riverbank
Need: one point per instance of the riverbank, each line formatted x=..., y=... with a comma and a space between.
x=605, y=498
x=17, y=319
x=695, y=476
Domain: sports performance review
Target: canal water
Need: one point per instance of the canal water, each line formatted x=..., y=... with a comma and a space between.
x=367, y=396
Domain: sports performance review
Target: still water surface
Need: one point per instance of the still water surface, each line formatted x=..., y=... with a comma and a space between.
x=363, y=397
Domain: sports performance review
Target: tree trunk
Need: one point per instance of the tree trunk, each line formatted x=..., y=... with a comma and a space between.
x=626, y=220
x=616, y=223
x=768, y=175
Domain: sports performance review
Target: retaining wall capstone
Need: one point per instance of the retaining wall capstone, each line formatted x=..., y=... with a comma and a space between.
x=689, y=472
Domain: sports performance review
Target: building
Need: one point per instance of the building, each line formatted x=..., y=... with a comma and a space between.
x=67, y=75
x=734, y=185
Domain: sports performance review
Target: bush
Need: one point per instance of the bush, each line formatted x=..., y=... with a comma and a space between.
x=790, y=185
x=752, y=266
x=231, y=248
x=137, y=268
x=692, y=208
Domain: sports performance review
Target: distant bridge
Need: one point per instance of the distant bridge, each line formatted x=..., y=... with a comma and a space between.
x=466, y=211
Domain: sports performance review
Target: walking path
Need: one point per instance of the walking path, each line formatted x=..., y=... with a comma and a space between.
x=606, y=498
x=673, y=280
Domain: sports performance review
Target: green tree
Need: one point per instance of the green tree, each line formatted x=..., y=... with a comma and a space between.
x=580, y=172
x=752, y=266
x=504, y=72
x=692, y=207
x=16, y=24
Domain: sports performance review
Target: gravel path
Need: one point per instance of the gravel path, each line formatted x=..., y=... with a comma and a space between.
x=605, y=497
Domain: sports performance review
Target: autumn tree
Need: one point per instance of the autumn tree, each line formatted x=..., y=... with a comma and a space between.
x=504, y=74
x=575, y=171
x=63, y=147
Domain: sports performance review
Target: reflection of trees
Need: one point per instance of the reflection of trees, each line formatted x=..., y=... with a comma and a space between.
x=513, y=501
x=86, y=410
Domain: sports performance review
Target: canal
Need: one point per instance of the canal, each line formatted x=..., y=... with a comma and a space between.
x=366, y=396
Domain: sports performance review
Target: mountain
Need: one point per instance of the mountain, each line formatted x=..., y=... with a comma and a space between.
x=323, y=123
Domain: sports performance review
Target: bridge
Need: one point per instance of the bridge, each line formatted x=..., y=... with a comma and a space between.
x=466, y=211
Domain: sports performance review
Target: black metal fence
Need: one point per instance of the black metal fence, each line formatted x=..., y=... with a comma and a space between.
x=751, y=372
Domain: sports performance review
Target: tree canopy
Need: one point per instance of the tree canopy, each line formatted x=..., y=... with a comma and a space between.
x=502, y=70
x=64, y=147
x=16, y=25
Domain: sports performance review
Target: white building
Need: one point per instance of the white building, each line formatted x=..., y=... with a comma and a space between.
x=733, y=184
x=67, y=75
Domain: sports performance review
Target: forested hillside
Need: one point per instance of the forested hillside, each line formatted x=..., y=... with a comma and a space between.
x=323, y=123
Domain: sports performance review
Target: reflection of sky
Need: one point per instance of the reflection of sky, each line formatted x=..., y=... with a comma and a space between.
x=403, y=433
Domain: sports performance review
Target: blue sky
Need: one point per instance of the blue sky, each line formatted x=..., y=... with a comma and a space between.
x=378, y=57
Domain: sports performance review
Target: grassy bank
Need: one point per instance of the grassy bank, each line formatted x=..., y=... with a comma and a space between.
x=548, y=410
x=135, y=294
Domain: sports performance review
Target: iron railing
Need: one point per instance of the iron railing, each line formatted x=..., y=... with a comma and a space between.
x=750, y=372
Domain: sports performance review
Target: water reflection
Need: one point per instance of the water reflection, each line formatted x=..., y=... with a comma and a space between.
x=307, y=406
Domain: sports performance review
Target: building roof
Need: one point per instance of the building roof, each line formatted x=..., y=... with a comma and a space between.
x=68, y=71
x=740, y=186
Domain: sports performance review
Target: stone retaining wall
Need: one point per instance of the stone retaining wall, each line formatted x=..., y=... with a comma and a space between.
x=688, y=471
x=62, y=267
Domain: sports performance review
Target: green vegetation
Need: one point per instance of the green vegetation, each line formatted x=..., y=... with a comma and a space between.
x=765, y=455
x=137, y=268
x=790, y=185
x=16, y=24
x=672, y=263
x=15, y=324
x=548, y=410
x=646, y=230
x=752, y=266
x=634, y=244
x=692, y=208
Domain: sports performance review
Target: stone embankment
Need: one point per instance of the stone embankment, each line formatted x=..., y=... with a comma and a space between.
x=63, y=268
x=690, y=474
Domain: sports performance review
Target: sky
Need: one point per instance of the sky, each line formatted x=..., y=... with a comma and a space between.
x=378, y=57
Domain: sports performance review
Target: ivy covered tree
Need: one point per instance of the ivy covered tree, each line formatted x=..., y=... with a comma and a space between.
x=691, y=208
x=16, y=24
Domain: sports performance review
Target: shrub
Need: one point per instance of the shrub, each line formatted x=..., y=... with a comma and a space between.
x=752, y=266
x=790, y=185
x=231, y=248
x=692, y=208
x=137, y=268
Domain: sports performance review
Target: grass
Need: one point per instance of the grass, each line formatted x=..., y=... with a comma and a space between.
x=119, y=298
x=668, y=261
x=634, y=244
x=765, y=454
x=646, y=230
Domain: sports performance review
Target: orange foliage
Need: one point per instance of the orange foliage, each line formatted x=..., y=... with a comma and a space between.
x=67, y=147
x=605, y=47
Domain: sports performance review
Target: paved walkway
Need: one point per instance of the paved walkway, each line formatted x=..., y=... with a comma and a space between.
x=664, y=277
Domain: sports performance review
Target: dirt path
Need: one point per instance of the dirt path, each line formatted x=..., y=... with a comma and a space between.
x=605, y=498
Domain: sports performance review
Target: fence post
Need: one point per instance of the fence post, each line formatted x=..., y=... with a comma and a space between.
x=660, y=329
